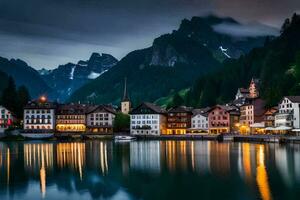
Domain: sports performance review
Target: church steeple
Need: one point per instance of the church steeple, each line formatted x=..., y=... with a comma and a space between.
x=125, y=103
x=125, y=95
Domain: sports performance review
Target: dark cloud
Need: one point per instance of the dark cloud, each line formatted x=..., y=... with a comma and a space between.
x=50, y=32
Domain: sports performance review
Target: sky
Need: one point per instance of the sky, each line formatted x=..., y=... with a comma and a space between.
x=46, y=33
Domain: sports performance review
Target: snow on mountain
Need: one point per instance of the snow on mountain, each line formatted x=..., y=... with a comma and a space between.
x=224, y=51
x=69, y=77
x=72, y=72
x=94, y=75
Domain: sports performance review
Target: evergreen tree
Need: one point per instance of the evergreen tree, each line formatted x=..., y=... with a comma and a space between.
x=121, y=122
x=9, y=96
x=23, y=98
x=285, y=25
x=297, y=67
x=177, y=100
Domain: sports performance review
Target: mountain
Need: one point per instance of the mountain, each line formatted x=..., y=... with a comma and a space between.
x=3, y=81
x=24, y=75
x=173, y=62
x=276, y=64
x=67, y=78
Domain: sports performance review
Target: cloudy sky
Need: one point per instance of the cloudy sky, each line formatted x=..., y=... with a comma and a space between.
x=46, y=33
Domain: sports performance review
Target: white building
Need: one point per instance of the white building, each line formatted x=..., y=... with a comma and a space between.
x=288, y=112
x=39, y=115
x=200, y=120
x=6, y=117
x=148, y=119
x=100, y=119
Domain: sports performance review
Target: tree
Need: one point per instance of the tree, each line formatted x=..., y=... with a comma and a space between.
x=177, y=100
x=23, y=97
x=9, y=96
x=297, y=67
x=121, y=122
x=285, y=25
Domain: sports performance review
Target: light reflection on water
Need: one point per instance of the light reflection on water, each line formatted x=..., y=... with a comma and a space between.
x=149, y=170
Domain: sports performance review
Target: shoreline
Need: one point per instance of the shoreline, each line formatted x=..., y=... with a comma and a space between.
x=189, y=137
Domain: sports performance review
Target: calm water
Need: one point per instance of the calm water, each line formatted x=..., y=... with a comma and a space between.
x=149, y=170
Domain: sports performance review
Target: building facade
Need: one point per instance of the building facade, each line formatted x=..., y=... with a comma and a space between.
x=6, y=118
x=125, y=103
x=148, y=119
x=179, y=119
x=288, y=114
x=71, y=118
x=199, y=121
x=100, y=119
x=39, y=115
x=223, y=119
x=269, y=117
x=252, y=112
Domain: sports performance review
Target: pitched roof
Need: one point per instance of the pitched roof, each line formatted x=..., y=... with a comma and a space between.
x=202, y=111
x=180, y=109
x=151, y=106
x=229, y=108
x=243, y=90
x=72, y=109
x=100, y=108
x=294, y=99
x=40, y=105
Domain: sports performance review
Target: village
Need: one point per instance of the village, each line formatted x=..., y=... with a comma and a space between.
x=245, y=115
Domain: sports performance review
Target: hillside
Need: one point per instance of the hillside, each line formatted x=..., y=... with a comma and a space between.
x=24, y=75
x=3, y=81
x=277, y=65
x=173, y=62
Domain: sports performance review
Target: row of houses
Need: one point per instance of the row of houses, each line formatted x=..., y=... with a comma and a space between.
x=52, y=117
x=244, y=115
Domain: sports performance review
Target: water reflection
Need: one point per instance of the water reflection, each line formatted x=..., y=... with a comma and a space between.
x=103, y=169
x=262, y=176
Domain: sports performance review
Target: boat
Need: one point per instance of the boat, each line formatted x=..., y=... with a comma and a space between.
x=124, y=138
x=38, y=136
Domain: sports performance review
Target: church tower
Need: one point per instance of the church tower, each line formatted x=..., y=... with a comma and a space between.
x=125, y=103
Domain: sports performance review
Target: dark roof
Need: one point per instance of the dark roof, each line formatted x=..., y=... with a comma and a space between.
x=229, y=108
x=151, y=106
x=180, y=109
x=40, y=105
x=72, y=109
x=294, y=99
x=243, y=90
x=202, y=111
x=100, y=108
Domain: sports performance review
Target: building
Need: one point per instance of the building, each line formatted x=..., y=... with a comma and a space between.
x=223, y=119
x=243, y=94
x=6, y=118
x=100, y=119
x=179, y=119
x=148, y=119
x=125, y=103
x=254, y=88
x=199, y=121
x=39, y=115
x=71, y=118
x=252, y=115
x=269, y=116
x=288, y=115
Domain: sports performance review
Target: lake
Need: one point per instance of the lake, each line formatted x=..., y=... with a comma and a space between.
x=148, y=170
